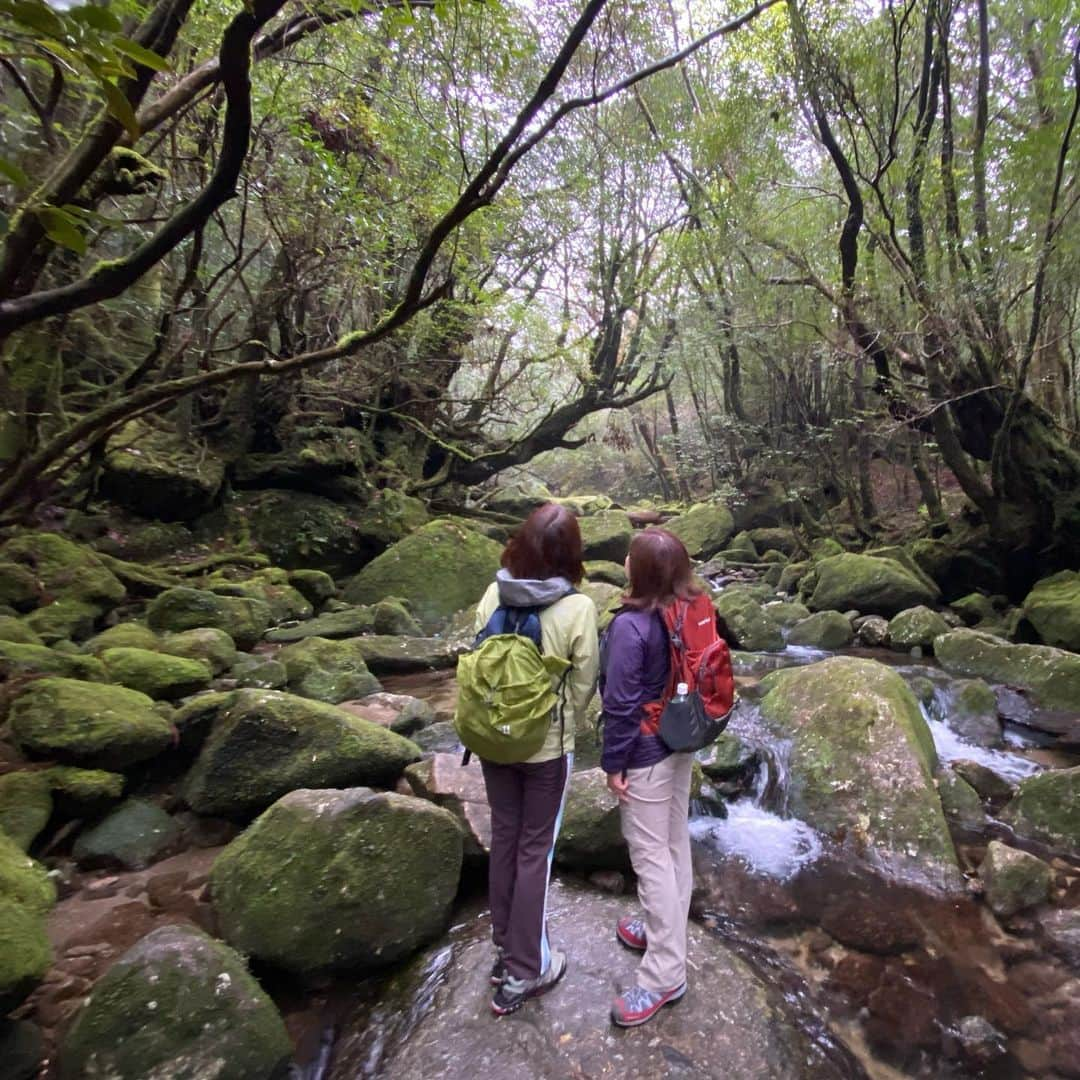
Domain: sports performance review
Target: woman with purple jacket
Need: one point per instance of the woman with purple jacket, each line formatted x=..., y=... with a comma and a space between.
x=651, y=782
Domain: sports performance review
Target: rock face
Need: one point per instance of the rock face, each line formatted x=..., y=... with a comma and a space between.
x=868, y=584
x=330, y=671
x=1053, y=608
x=157, y=675
x=88, y=724
x=266, y=743
x=606, y=536
x=591, y=835
x=245, y=620
x=1047, y=807
x=823, y=630
x=704, y=529
x=433, y=1020
x=1051, y=676
x=751, y=626
x=357, y=879
x=916, y=628
x=177, y=1004
x=862, y=763
x=439, y=569
x=1014, y=879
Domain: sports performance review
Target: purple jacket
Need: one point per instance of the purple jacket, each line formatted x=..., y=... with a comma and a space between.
x=636, y=673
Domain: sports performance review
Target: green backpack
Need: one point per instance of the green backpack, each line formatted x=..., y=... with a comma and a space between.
x=505, y=698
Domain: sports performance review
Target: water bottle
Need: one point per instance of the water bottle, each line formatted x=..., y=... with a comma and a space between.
x=678, y=721
x=680, y=693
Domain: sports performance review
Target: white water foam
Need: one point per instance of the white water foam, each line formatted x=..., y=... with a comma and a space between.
x=951, y=747
x=775, y=846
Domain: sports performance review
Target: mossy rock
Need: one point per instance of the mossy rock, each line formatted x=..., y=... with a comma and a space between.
x=245, y=620
x=872, y=630
x=612, y=573
x=961, y=803
x=519, y=499
x=193, y=719
x=88, y=724
x=583, y=505
x=1051, y=676
x=742, y=548
x=19, y=588
x=265, y=743
x=160, y=475
x=388, y=655
x=1013, y=879
x=206, y=643
x=83, y=792
x=1053, y=609
x=591, y=835
x=870, y=585
x=15, y=630
x=256, y=672
x=437, y=571
x=26, y=954
x=22, y=1050
x=386, y=617
x=957, y=570
x=750, y=625
x=63, y=568
x=972, y=712
x=158, y=675
x=862, y=766
x=25, y=806
x=24, y=881
x=775, y=539
x=606, y=536
x=975, y=608
x=144, y=541
x=316, y=585
x=784, y=613
x=68, y=618
x=822, y=630
x=177, y=1004
x=271, y=586
x=37, y=659
x=792, y=574
x=728, y=758
x=916, y=627
x=339, y=879
x=704, y=529
x=329, y=671
x=131, y=837
x=1046, y=807
x=127, y=635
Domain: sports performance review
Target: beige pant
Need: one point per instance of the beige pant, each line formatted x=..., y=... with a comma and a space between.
x=654, y=823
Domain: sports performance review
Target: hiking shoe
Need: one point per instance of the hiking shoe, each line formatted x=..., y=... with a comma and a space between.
x=638, y=1005
x=515, y=992
x=498, y=968
x=631, y=932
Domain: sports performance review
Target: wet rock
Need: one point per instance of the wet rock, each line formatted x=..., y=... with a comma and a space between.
x=339, y=879
x=903, y=1014
x=1053, y=609
x=916, y=628
x=792, y=575
x=22, y=1050
x=873, y=630
x=862, y=763
x=971, y=710
x=25, y=806
x=785, y=613
x=385, y=655
x=88, y=724
x=443, y=780
x=432, y=1019
x=1013, y=879
x=131, y=837
x=176, y=1004
x=704, y=529
x=1052, y=676
x=989, y=784
x=750, y=626
x=729, y=758
x=823, y=630
x=591, y=835
x=329, y=671
x=1046, y=807
x=1060, y=932
x=316, y=585
x=245, y=620
x=209, y=644
x=398, y=712
x=438, y=738
x=873, y=586
x=257, y=672
x=974, y=1041
x=961, y=803
x=158, y=675
x=265, y=743
x=16, y=659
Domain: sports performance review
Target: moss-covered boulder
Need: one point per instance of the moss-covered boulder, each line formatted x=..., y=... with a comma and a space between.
x=385, y=617
x=612, y=573
x=125, y=635
x=83, y=792
x=37, y=659
x=244, y=619
x=257, y=672
x=88, y=724
x=25, y=806
x=741, y=548
x=792, y=575
x=19, y=587
x=339, y=879
x=1051, y=676
x=867, y=584
x=957, y=568
x=606, y=536
x=66, y=619
x=971, y=710
x=591, y=835
x=399, y=712
x=23, y=881
x=317, y=585
x=822, y=630
x=158, y=675
x=330, y=671
x=1013, y=879
x=13, y=629
x=64, y=570
x=177, y=1004
x=872, y=630
x=729, y=758
x=975, y=608
x=131, y=837
x=704, y=529
x=26, y=954
x=438, y=570
x=916, y=628
x=206, y=643
x=159, y=475
x=752, y=628
x=961, y=802
x=785, y=613
x=1053, y=609
x=265, y=743
x=519, y=498
x=272, y=587
x=1046, y=807
x=862, y=766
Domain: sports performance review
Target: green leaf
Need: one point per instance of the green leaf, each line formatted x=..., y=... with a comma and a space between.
x=60, y=227
x=99, y=18
x=38, y=16
x=120, y=107
x=13, y=174
x=140, y=54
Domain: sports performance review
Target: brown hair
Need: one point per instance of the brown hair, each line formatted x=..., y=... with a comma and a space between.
x=659, y=571
x=547, y=545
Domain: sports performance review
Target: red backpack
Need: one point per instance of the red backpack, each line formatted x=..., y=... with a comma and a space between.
x=699, y=659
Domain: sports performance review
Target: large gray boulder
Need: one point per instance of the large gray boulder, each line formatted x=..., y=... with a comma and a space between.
x=1053, y=609
x=606, y=535
x=704, y=529
x=870, y=585
x=329, y=671
x=751, y=626
x=339, y=879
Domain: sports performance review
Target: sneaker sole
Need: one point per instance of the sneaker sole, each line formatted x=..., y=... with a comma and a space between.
x=539, y=991
x=629, y=944
x=674, y=999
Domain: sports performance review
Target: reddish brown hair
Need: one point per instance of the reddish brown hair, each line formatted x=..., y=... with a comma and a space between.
x=547, y=545
x=659, y=571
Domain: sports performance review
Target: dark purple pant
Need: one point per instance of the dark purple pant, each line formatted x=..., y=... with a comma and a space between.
x=526, y=812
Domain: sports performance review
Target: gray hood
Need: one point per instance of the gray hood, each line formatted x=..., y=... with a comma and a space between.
x=530, y=592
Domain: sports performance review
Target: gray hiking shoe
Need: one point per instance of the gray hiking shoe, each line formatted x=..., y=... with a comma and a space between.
x=515, y=992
